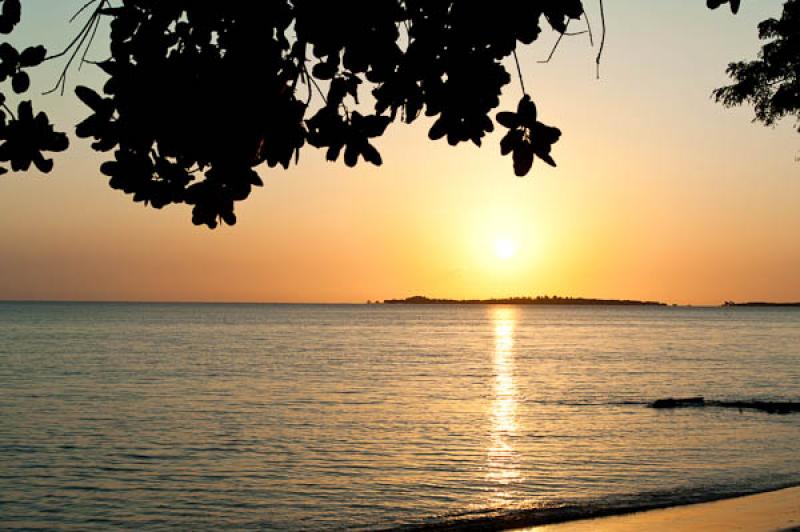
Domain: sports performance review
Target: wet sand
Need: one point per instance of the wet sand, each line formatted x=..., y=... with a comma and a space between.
x=767, y=512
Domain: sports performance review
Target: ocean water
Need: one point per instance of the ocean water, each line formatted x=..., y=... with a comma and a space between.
x=309, y=417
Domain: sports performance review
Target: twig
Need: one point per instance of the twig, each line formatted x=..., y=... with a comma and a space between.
x=62, y=79
x=89, y=30
x=304, y=76
x=314, y=82
x=89, y=44
x=69, y=46
x=519, y=72
x=555, y=46
x=589, y=29
x=300, y=74
x=602, y=38
x=81, y=10
x=9, y=111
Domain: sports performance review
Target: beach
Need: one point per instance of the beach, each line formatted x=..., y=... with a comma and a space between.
x=770, y=511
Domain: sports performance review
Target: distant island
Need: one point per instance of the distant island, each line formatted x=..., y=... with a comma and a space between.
x=759, y=304
x=557, y=300
x=539, y=300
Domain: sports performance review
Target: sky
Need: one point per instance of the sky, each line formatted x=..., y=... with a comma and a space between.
x=659, y=193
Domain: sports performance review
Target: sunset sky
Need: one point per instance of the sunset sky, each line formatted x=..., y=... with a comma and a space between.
x=659, y=194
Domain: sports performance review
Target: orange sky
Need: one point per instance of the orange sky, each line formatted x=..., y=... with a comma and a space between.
x=659, y=194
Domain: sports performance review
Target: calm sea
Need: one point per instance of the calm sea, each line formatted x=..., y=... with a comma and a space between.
x=326, y=417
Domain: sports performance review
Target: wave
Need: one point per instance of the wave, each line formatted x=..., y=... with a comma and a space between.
x=573, y=402
x=504, y=519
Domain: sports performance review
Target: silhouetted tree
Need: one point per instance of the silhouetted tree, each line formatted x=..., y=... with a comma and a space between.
x=772, y=82
x=24, y=135
x=200, y=93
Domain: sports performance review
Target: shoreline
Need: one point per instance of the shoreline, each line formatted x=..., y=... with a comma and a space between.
x=697, y=509
x=774, y=510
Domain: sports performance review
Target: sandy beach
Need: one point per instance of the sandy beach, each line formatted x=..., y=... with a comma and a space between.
x=771, y=511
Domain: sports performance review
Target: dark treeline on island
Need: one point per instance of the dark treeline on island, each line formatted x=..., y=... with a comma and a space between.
x=539, y=300
x=759, y=304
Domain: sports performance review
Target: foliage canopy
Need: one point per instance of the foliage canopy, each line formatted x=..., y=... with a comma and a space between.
x=200, y=93
x=772, y=82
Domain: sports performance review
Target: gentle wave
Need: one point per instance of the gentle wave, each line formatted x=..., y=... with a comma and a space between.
x=553, y=513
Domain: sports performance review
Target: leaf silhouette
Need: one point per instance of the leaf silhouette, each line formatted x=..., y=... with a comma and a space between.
x=526, y=137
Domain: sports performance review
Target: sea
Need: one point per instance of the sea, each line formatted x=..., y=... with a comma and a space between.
x=382, y=417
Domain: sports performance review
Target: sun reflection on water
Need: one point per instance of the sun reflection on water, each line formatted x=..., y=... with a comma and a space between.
x=502, y=459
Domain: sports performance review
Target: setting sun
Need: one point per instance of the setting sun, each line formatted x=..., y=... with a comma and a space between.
x=505, y=248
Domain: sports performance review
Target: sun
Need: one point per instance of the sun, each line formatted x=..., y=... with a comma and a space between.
x=505, y=248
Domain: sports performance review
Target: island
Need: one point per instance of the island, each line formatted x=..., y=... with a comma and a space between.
x=539, y=300
x=759, y=304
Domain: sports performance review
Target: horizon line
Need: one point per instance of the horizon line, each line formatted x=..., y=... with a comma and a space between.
x=368, y=302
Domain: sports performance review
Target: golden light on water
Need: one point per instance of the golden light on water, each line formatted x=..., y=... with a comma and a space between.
x=502, y=459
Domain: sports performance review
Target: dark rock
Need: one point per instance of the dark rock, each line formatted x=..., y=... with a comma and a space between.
x=771, y=407
x=672, y=402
